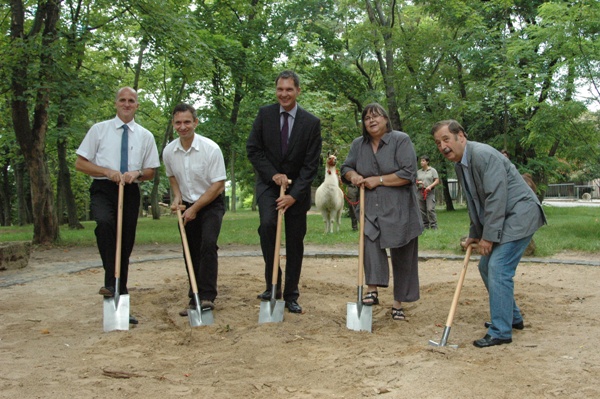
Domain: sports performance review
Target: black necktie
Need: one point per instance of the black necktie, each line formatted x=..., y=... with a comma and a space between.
x=285, y=134
x=124, y=145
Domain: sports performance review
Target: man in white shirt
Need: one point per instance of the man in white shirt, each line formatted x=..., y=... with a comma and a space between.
x=113, y=152
x=196, y=171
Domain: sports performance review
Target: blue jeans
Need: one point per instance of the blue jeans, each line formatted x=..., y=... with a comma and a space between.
x=497, y=271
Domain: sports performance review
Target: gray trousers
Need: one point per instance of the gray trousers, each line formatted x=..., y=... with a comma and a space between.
x=405, y=268
x=427, y=208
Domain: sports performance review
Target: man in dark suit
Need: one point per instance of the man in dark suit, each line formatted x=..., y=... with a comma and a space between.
x=285, y=143
x=504, y=213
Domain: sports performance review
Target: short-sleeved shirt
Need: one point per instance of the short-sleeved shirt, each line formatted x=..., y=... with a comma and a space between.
x=102, y=146
x=427, y=176
x=196, y=169
x=391, y=213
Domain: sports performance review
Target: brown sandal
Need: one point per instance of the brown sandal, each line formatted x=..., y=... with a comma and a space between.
x=398, y=314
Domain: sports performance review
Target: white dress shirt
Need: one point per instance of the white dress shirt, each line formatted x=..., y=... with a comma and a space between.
x=102, y=146
x=195, y=169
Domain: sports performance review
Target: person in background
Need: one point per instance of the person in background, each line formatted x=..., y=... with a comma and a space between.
x=284, y=144
x=352, y=194
x=427, y=179
x=385, y=163
x=113, y=152
x=196, y=170
x=504, y=213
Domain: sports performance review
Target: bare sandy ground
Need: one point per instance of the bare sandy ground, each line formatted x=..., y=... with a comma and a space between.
x=52, y=344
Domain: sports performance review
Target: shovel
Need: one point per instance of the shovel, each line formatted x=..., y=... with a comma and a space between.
x=196, y=316
x=116, y=309
x=272, y=311
x=360, y=317
x=461, y=279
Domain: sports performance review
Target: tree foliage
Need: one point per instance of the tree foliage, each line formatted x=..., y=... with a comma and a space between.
x=520, y=75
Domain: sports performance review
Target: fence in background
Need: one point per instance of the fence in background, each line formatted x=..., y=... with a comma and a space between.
x=572, y=191
x=563, y=191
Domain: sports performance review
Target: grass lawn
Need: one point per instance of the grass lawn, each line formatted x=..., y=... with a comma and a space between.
x=569, y=229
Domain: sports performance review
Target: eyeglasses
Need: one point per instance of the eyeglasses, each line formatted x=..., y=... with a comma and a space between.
x=370, y=118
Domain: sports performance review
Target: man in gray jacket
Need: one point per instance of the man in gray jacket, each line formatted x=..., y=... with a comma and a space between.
x=504, y=213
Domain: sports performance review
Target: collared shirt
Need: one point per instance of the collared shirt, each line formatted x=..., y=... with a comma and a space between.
x=102, y=146
x=427, y=177
x=195, y=169
x=464, y=164
x=391, y=213
x=470, y=185
x=291, y=119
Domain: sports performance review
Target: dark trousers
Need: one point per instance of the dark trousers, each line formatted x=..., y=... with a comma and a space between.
x=104, y=196
x=295, y=230
x=202, y=234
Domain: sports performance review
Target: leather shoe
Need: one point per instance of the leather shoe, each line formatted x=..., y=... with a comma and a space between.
x=516, y=326
x=293, y=306
x=132, y=320
x=488, y=340
x=107, y=292
x=207, y=304
x=266, y=296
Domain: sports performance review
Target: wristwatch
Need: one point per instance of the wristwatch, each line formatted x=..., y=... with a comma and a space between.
x=140, y=174
x=381, y=180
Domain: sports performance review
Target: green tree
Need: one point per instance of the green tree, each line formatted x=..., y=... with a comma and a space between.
x=31, y=73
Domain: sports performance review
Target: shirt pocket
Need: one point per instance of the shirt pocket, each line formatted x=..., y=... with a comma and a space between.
x=199, y=167
x=136, y=158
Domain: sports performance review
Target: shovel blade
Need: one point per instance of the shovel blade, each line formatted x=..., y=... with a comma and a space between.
x=116, y=313
x=200, y=318
x=359, y=318
x=270, y=313
x=433, y=343
x=444, y=340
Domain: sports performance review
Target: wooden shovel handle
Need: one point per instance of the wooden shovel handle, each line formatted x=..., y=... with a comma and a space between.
x=361, y=237
x=186, y=252
x=461, y=280
x=278, y=238
x=119, y=232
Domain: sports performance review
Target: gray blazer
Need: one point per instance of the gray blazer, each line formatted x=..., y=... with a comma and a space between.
x=502, y=207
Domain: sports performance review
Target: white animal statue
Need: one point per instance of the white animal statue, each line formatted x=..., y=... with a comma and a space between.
x=329, y=198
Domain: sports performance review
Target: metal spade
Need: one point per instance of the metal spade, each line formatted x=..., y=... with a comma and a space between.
x=360, y=317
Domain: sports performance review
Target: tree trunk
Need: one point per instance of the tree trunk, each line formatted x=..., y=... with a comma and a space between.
x=5, y=208
x=446, y=187
x=233, y=199
x=63, y=188
x=167, y=138
x=24, y=211
x=386, y=64
x=45, y=222
x=32, y=136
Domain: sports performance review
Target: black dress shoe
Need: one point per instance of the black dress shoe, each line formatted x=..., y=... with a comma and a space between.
x=516, y=326
x=266, y=296
x=488, y=340
x=132, y=320
x=293, y=306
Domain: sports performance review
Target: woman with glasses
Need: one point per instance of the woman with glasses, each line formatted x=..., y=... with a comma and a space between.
x=385, y=163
